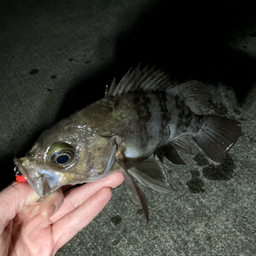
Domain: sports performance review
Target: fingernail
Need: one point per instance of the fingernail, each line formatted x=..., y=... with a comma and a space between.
x=52, y=209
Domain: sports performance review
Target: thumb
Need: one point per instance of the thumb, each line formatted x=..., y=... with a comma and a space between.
x=51, y=204
x=13, y=199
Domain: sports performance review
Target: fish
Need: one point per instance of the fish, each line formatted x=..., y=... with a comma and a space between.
x=142, y=120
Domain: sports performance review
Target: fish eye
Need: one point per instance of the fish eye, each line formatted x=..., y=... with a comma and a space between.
x=60, y=154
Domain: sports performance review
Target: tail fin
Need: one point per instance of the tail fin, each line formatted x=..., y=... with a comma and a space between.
x=217, y=135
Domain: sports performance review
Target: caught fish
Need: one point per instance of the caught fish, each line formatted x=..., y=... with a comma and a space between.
x=141, y=117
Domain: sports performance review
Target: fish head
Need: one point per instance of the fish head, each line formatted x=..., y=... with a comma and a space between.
x=66, y=155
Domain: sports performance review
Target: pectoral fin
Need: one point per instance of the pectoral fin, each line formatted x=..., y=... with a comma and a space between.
x=151, y=175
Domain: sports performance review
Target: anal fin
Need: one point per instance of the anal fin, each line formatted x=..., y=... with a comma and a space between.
x=137, y=193
x=168, y=151
x=131, y=184
x=217, y=135
x=181, y=143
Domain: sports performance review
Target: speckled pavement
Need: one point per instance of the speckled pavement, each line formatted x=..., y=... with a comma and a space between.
x=57, y=56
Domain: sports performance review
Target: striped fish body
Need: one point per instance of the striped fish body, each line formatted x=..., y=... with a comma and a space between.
x=144, y=121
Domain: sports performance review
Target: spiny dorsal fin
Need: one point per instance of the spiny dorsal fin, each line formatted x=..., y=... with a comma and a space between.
x=140, y=79
x=194, y=93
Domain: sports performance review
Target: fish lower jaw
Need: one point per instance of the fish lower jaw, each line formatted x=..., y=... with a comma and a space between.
x=34, y=179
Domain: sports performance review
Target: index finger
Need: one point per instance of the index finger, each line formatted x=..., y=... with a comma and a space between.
x=77, y=196
x=13, y=199
x=81, y=206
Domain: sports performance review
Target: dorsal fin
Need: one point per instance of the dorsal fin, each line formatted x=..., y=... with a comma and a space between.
x=194, y=93
x=140, y=79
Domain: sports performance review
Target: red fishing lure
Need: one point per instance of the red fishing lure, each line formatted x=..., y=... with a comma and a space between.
x=19, y=177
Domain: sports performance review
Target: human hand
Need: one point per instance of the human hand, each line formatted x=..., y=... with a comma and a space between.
x=31, y=228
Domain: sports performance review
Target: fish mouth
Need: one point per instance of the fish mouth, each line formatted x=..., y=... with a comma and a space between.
x=36, y=180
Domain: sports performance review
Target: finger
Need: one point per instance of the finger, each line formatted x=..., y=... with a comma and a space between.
x=51, y=204
x=13, y=199
x=67, y=227
x=75, y=197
